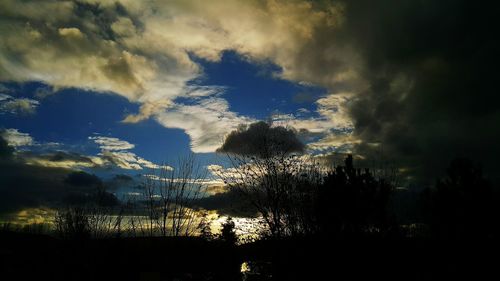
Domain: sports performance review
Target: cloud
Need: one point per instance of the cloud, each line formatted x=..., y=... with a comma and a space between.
x=115, y=152
x=124, y=160
x=147, y=110
x=24, y=185
x=44, y=155
x=77, y=46
x=430, y=83
x=16, y=138
x=207, y=122
x=331, y=130
x=334, y=109
x=402, y=75
x=9, y=104
x=108, y=143
x=342, y=143
x=262, y=140
x=417, y=77
x=62, y=159
x=80, y=178
x=30, y=216
x=120, y=181
x=143, y=50
x=230, y=202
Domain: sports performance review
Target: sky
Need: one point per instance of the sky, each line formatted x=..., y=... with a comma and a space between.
x=160, y=78
x=120, y=87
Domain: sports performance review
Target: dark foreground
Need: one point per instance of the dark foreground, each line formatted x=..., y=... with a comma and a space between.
x=37, y=257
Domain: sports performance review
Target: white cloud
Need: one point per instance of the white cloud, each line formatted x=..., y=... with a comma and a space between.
x=16, y=138
x=334, y=108
x=108, y=143
x=115, y=151
x=17, y=105
x=332, y=111
x=339, y=142
x=129, y=160
x=206, y=122
x=122, y=159
x=332, y=128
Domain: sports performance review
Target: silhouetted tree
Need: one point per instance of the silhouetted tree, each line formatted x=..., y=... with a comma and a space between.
x=91, y=211
x=281, y=188
x=297, y=196
x=351, y=201
x=169, y=194
x=462, y=205
x=268, y=171
x=228, y=232
x=205, y=227
x=88, y=221
x=72, y=223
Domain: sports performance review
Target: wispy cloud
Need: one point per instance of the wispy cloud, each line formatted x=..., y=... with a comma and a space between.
x=9, y=104
x=63, y=159
x=207, y=121
x=116, y=152
x=109, y=143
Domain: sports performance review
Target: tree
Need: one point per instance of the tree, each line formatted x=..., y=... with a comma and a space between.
x=169, y=196
x=352, y=201
x=228, y=233
x=72, y=223
x=463, y=204
x=268, y=171
x=89, y=220
x=205, y=226
x=91, y=211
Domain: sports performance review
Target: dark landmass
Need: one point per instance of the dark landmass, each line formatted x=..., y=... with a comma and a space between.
x=40, y=257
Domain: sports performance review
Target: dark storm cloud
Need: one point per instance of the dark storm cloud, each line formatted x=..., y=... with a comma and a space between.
x=121, y=181
x=29, y=186
x=431, y=69
x=260, y=139
x=24, y=186
x=123, y=178
x=230, y=203
x=61, y=156
x=80, y=178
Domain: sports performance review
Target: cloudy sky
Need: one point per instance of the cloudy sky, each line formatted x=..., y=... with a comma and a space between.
x=115, y=87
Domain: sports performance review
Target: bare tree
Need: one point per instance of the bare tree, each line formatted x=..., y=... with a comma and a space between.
x=88, y=221
x=265, y=169
x=279, y=187
x=170, y=194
